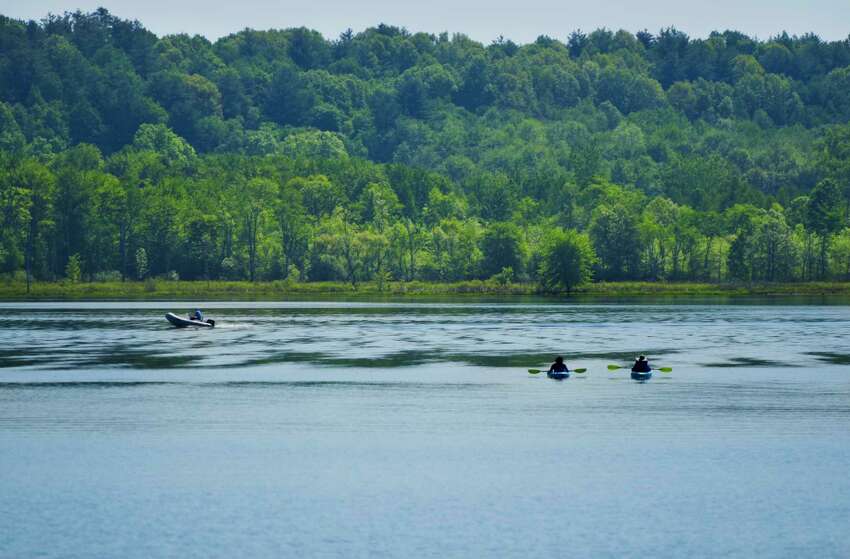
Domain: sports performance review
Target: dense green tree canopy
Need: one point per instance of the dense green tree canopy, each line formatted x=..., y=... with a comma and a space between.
x=567, y=259
x=387, y=154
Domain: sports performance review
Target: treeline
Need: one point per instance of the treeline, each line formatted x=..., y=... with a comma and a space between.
x=158, y=209
x=390, y=155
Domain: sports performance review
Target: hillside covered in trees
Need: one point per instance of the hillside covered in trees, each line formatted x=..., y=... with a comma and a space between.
x=395, y=155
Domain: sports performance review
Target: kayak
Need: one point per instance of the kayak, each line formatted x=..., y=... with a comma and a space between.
x=558, y=376
x=181, y=322
x=641, y=375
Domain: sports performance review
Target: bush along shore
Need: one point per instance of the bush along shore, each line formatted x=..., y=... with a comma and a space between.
x=281, y=290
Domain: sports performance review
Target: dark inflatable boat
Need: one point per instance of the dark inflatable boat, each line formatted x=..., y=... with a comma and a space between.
x=181, y=322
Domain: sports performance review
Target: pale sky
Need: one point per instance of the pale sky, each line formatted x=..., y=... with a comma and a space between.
x=483, y=20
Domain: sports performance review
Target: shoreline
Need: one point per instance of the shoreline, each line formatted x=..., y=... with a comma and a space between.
x=154, y=290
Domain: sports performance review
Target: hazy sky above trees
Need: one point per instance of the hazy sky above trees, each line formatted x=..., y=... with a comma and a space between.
x=483, y=20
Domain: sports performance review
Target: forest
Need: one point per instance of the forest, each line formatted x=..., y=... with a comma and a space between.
x=390, y=155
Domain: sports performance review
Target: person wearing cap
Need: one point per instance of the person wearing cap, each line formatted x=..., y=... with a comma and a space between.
x=558, y=366
x=641, y=365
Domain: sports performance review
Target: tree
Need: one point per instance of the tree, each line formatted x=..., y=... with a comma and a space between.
x=314, y=144
x=288, y=100
x=26, y=194
x=475, y=89
x=141, y=264
x=629, y=91
x=494, y=194
x=14, y=209
x=73, y=269
x=79, y=173
x=442, y=206
x=585, y=162
x=342, y=245
x=319, y=195
x=135, y=171
x=835, y=92
x=159, y=230
x=567, y=260
x=406, y=240
x=777, y=59
x=453, y=251
x=201, y=249
x=840, y=255
x=825, y=216
x=292, y=221
x=103, y=226
x=616, y=241
x=307, y=48
x=740, y=261
x=707, y=183
x=252, y=200
x=763, y=248
x=380, y=205
x=189, y=98
x=11, y=137
x=774, y=258
x=158, y=138
x=656, y=235
x=502, y=247
x=834, y=159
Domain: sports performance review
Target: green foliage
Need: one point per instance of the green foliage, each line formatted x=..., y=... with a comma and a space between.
x=141, y=264
x=318, y=194
x=567, y=260
x=839, y=255
x=12, y=138
x=615, y=235
x=73, y=270
x=504, y=277
x=158, y=138
x=502, y=248
x=313, y=145
x=387, y=156
x=825, y=211
x=825, y=215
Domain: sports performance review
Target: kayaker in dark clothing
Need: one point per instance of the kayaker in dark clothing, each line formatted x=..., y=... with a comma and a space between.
x=558, y=366
x=641, y=365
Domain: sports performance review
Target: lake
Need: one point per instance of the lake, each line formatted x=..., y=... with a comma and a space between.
x=413, y=430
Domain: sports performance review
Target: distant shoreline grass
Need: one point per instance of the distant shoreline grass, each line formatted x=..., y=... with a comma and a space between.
x=161, y=290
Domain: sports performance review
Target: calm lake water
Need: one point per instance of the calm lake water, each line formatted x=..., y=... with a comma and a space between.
x=413, y=430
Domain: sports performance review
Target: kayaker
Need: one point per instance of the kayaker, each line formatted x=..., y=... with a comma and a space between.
x=197, y=315
x=558, y=366
x=641, y=365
